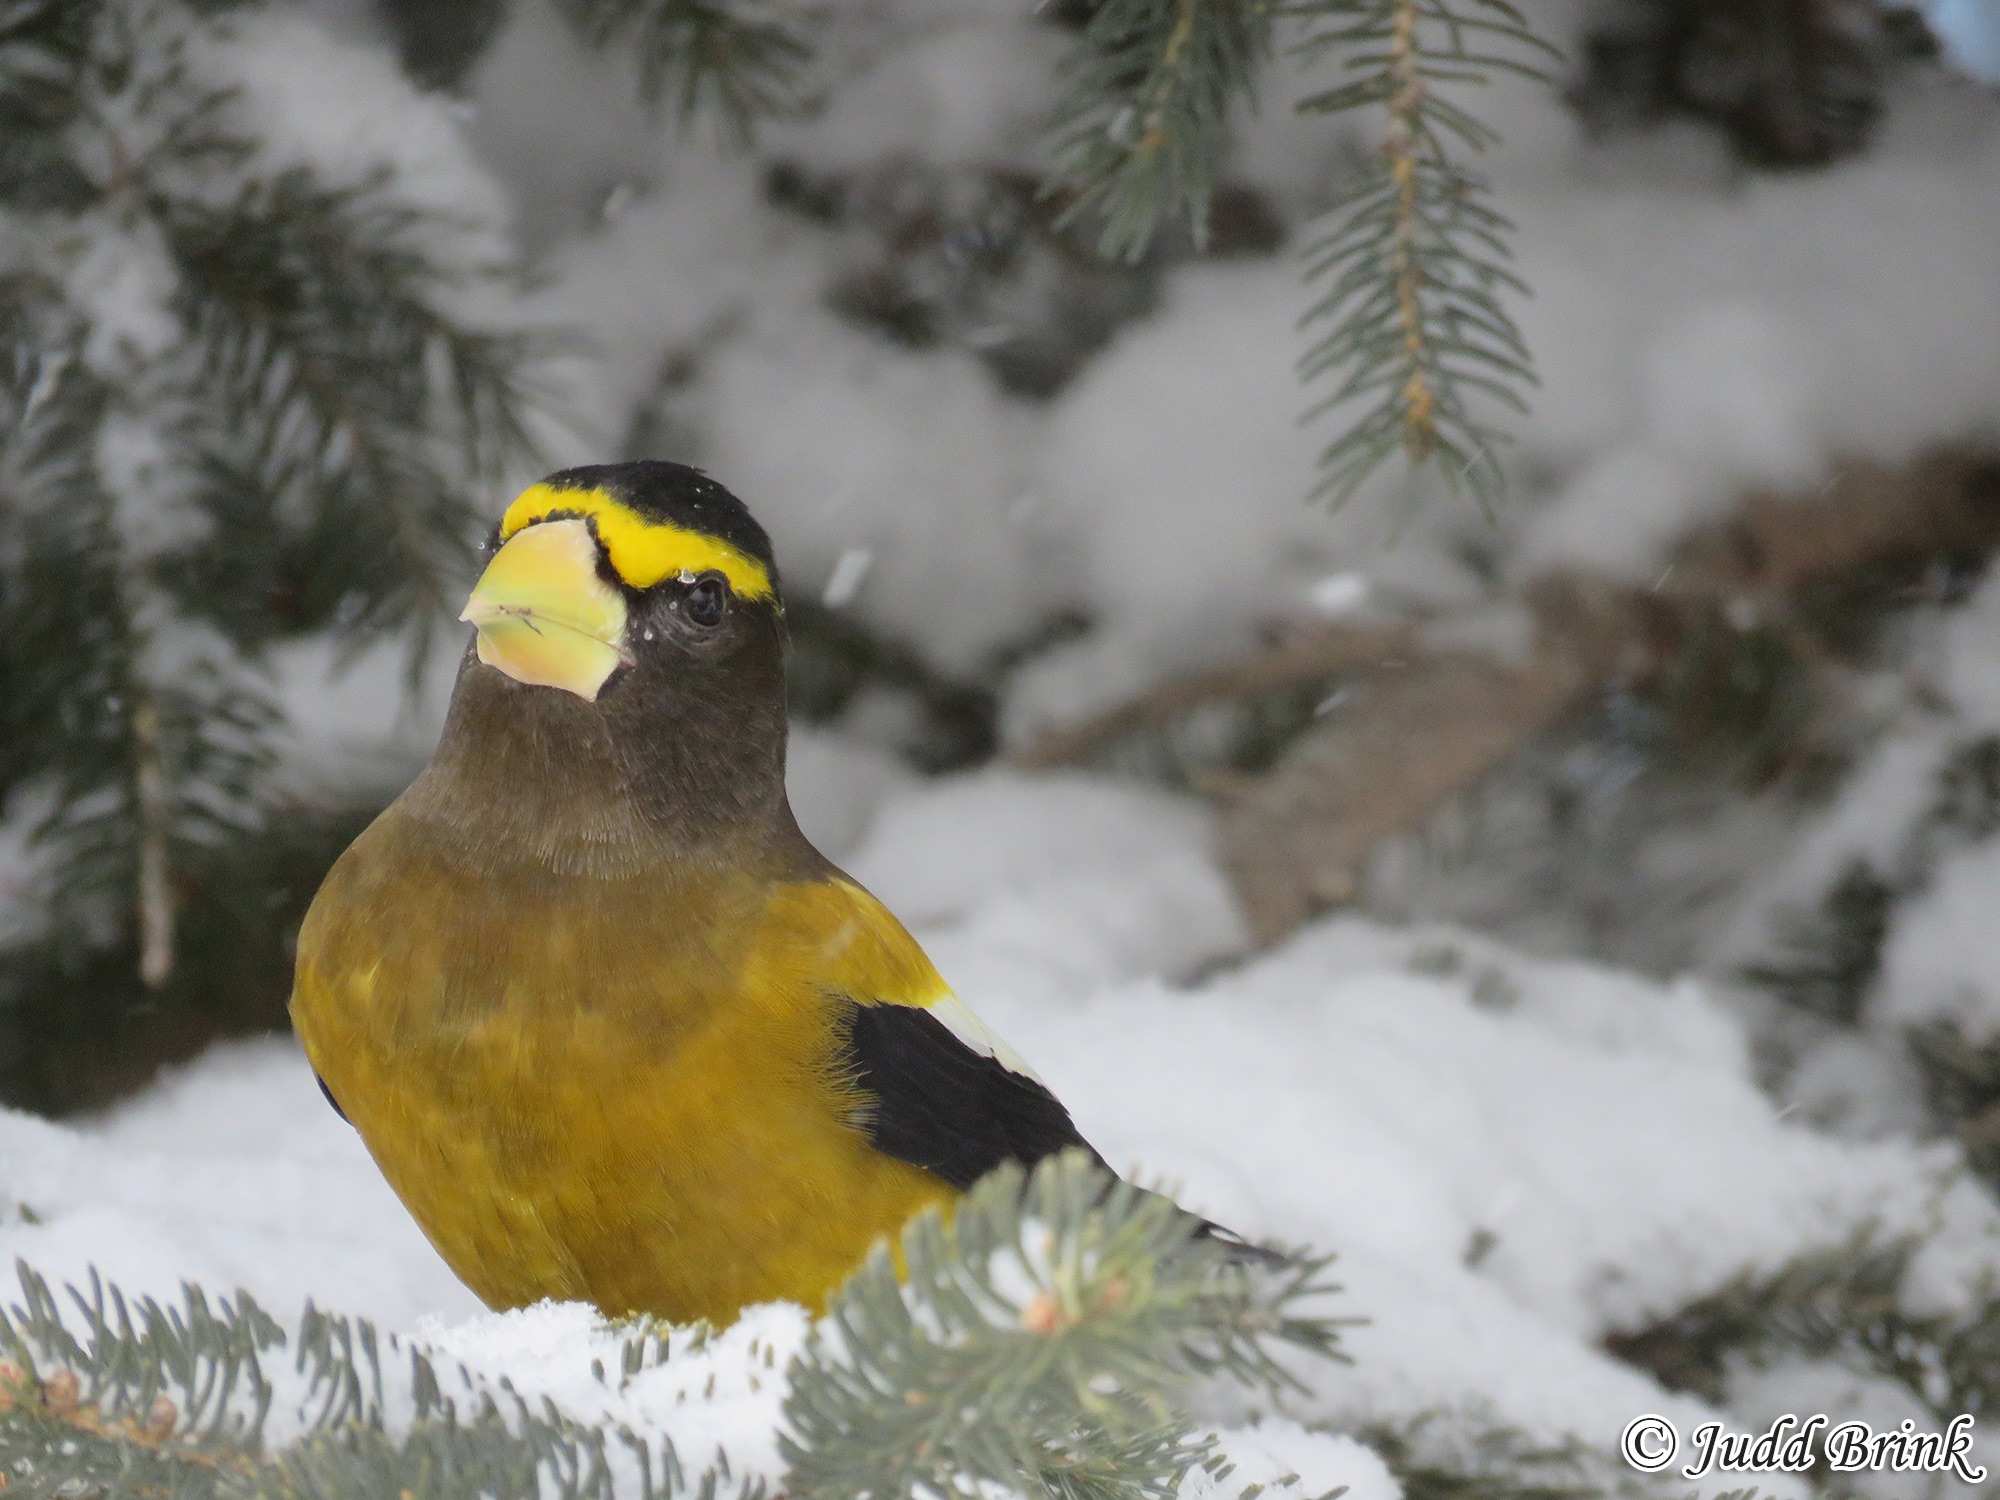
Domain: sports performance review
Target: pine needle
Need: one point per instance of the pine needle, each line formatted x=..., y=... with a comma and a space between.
x=1414, y=258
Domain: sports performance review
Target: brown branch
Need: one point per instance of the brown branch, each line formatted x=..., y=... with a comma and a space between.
x=1302, y=657
x=1296, y=840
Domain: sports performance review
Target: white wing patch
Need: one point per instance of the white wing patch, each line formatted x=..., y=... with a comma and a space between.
x=961, y=1022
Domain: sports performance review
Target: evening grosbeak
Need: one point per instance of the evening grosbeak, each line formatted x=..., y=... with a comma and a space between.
x=611, y=1027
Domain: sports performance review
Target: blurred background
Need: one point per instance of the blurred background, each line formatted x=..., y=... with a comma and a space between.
x=1491, y=672
x=1703, y=679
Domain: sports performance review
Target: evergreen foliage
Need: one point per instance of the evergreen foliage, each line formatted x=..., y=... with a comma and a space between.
x=150, y=1400
x=201, y=341
x=1044, y=1334
x=1793, y=83
x=1825, y=960
x=976, y=260
x=1437, y=1459
x=1841, y=1304
x=439, y=41
x=245, y=401
x=1414, y=257
x=738, y=58
x=1959, y=1076
x=1036, y=1335
x=1141, y=132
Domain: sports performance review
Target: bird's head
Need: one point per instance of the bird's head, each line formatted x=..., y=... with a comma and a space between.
x=603, y=577
x=630, y=643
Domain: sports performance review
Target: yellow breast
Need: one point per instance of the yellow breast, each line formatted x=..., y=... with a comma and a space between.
x=621, y=1089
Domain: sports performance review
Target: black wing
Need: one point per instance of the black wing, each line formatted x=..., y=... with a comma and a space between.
x=939, y=1105
x=934, y=1102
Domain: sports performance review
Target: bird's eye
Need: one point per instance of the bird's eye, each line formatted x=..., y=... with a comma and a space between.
x=705, y=599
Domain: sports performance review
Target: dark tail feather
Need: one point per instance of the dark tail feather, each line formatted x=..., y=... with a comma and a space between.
x=1240, y=1251
x=1236, y=1250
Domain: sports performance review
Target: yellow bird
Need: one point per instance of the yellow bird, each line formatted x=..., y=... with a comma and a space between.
x=611, y=1027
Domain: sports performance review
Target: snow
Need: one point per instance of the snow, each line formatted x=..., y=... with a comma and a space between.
x=1897, y=819
x=716, y=1399
x=1512, y=1157
x=848, y=443
x=351, y=719
x=954, y=84
x=1939, y=964
x=1180, y=456
x=126, y=280
x=220, y=1176
x=1781, y=322
x=309, y=95
x=1289, y=1460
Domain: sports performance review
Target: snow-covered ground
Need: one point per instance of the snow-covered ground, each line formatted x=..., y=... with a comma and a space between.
x=1511, y=1157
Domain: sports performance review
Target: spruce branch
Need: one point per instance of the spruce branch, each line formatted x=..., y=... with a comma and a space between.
x=148, y=1400
x=1415, y=260
x=1141, y=133
x=1043, y=1332
x=50, y=408
x=1959, y=1074
x=1037, y=1343
x=1841, y=1303
x=141, y=760
x=364, y=414
x=43, y=46
x=1826, y=960
x=237, y=405
x=1437, y=1458
x=741, y=58
x=140, y=1399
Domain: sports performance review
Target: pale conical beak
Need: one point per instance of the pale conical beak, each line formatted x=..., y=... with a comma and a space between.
x=544, y=615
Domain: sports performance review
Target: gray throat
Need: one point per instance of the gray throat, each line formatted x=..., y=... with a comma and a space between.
x=640, y=782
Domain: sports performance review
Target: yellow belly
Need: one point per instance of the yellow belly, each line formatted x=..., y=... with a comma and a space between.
x=577, y=1099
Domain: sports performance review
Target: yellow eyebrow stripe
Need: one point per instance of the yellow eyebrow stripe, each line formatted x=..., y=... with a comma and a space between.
x=642, y=552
